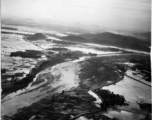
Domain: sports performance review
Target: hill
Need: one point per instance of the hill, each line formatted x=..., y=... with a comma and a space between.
x=37, y=36
x=111, y=39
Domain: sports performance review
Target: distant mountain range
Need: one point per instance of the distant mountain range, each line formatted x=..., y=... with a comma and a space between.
x=138, y=41
x=111, y=39
x=72, y=27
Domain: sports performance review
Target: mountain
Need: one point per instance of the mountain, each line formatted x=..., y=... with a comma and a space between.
x=111, y=39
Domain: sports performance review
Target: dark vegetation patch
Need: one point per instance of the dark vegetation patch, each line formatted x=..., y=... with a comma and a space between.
x=72, y=54
x=145, y=107
x=9, y=28
x=64, y=52
x=3, y=70
x=143, y=66
x=97, y=74
x=17, y=33
x=108, y=49
x=64, y=42
x=110, y=99
x=91, y=69
x=37, y=36
x=58, y=49
x=26, y=54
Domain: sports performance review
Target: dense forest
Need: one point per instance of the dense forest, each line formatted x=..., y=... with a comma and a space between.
x=110, y=99
x=143, y=67
x=26, y=54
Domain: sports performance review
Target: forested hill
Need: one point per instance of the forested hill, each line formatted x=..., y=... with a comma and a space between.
x=107, y=38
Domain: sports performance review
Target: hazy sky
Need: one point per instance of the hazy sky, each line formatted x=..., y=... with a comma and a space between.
x=120, y=14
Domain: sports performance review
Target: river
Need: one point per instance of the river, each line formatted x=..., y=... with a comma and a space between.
x=64, y=76
x=57, y=78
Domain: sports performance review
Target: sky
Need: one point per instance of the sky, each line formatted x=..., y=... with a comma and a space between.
x=120, y=14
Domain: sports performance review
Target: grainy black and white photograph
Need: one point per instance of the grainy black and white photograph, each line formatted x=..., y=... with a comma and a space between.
x=76, y=60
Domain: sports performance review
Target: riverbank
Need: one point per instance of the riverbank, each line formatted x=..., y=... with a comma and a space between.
x=10, y=87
